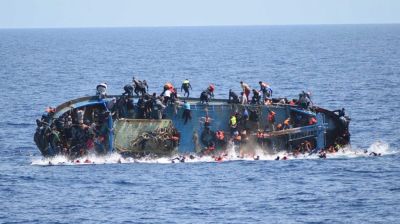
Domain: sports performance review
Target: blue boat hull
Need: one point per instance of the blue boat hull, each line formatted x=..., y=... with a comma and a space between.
x=195, y=136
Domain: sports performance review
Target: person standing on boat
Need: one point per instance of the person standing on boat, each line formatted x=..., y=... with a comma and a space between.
x=265, y=89
x=243, y=98
x=158, y=108
x=246, y=89
x=185, y=86
x=167, y=96
x=145, y=86
x=210, y=90
x=101, y=90
x=128, y=90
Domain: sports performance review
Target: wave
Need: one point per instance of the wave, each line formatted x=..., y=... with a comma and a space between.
x=376, y=149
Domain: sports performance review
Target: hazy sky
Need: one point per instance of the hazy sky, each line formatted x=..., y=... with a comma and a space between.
x=116, y=13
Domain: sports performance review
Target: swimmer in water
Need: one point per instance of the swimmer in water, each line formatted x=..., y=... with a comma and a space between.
x=374, y=154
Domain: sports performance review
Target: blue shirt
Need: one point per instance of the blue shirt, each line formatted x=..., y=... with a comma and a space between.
x=186, y=106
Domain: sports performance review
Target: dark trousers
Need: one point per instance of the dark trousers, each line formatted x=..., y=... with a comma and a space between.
x=186, y=115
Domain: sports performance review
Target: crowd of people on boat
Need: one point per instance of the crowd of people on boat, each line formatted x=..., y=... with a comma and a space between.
x=153, y=106
x=78, y=131
x=75, y=133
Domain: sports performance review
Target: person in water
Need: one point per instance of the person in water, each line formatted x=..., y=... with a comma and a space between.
x=186, y=86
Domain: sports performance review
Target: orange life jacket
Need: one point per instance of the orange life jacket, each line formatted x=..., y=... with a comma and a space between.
x=271, y=116
x=168, y=86
x=220, y=135
x=312, y=121
x=287, y=122
x=238, y=138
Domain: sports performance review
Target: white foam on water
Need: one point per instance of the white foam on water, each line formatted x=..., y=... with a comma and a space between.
x=230, y=154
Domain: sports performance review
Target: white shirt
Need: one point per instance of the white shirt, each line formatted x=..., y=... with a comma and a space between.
x=167, y=93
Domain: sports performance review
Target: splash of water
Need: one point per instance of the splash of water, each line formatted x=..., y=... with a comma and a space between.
x=380, y=148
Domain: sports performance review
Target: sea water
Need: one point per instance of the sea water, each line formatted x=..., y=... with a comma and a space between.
x=352, y=66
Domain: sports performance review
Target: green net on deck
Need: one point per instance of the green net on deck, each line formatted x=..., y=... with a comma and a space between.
x=145, y=136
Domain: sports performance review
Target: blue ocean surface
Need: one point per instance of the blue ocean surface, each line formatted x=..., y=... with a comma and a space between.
x=352, y=66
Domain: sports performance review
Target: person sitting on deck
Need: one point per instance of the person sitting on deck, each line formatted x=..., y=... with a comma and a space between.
x=305, y=100
x=279, y=127
x=243, y=98
x=312, y=120
x=207, y=94
x=287, y=123
x=210, y=90
x=267, y=101
x=256, y=97
x=185, y=86
x=204, y=98
x=233, y=97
